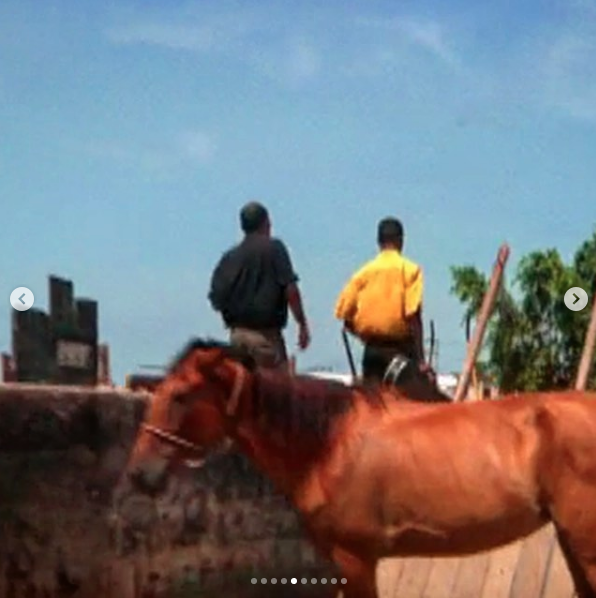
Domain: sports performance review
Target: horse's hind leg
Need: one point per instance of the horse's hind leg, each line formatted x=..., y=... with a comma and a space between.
x=583, y=573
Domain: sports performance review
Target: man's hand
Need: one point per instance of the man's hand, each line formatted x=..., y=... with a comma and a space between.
x=349, y=326
x=427, y=370
x=303, y=336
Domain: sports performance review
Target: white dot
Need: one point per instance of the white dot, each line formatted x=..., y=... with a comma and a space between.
x=294, y=580
x=324, y=580
x=333, y=580
x=253, y=580
x=313, y=580
x=263, y=580
x=344, y=580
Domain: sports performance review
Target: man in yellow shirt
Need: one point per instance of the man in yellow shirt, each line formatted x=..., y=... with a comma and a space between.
x=382, y=304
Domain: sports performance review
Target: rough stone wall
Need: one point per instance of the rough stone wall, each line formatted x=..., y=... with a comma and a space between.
x=62, y=451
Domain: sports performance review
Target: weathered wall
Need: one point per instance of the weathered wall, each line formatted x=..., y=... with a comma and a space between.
x=62, y=451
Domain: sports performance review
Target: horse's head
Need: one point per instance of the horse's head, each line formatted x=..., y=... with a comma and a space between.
x=190, y=412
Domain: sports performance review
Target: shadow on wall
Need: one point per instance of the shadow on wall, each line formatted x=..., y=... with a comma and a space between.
x=62, y=452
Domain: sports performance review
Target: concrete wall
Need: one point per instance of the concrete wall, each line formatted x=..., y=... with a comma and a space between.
x=62, y=451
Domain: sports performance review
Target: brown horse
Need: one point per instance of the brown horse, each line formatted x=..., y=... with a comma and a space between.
x=375, y=477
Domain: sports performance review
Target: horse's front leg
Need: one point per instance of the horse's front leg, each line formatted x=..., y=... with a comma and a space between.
x=360, y=575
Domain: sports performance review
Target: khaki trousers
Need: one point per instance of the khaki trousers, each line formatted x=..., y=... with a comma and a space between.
x=266, y=346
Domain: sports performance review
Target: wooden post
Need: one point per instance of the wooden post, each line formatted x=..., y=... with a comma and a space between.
x=104, y=374
x=485, y=312
x=585, y=364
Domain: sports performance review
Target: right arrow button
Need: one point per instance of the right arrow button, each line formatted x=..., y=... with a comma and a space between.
x=576, y=299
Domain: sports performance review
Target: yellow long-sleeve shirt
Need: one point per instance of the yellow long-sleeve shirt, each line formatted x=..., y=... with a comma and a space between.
x=381, y=295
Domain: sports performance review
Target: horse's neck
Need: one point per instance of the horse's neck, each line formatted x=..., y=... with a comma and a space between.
x=285, y=460
x=285, y=454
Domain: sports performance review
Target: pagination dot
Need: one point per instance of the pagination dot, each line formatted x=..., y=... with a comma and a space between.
x=294, y=580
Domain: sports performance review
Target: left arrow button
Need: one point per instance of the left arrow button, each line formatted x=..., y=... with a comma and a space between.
x=22, y=299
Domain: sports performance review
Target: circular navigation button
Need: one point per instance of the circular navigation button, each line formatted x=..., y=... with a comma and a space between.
x=22, y=299
x=576, y=299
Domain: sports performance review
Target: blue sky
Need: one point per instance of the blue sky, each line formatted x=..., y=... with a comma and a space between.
x=132, y=132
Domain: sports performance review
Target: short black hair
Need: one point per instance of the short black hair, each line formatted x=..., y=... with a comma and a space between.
x=390, y=231
x=252, y=216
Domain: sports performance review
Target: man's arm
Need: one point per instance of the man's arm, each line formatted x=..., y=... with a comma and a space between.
x=288, y=280
x=346, y=305
x=295, y=303
x=413, y=310
x=416, y=326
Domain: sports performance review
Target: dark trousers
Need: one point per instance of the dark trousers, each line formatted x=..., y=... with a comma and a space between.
x=266, y=346
x=378, y=354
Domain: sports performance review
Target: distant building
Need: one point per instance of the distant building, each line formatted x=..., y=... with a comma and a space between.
x=447, y=383
x=60, y=345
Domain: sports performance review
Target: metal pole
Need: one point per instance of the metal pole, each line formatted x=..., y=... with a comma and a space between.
x=482, y=321
x=346, y=340
x=431, y=351
x=585, y=364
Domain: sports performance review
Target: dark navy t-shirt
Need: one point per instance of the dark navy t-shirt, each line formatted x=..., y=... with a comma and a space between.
x=249, y=282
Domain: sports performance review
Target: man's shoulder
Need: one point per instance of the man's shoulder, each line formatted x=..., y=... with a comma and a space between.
x=367, y=267
x=277, y=244
x=410, y=264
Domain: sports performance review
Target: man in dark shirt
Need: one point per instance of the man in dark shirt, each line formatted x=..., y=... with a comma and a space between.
x=252, y=286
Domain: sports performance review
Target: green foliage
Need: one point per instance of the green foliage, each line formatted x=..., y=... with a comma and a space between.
x=533, y=341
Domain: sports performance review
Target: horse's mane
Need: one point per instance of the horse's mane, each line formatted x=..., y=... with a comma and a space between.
x=234, y=352
x=293, y=403
x=307, y=405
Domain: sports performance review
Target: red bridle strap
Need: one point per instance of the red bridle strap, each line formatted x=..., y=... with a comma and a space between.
x=171, y=438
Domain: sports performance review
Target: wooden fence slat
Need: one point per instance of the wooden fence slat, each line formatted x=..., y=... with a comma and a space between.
x=388, y=574
x=532, y=564
x=441, y=578
x=558, y=580
x=414, y=578
x=501, y=569
x=470, y=576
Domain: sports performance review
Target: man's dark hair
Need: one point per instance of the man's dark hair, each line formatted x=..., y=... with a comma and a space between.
x=390, y=232
x=252, y=217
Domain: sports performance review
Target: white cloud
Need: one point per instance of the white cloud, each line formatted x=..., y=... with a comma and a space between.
x=250, y=38
x=127, y=154
x=294, y=64
x=569, y=71
x=548, y=67
x=189, y=32
x=175, y=37
x=426, y=34
x=198, y=146
x=303, y=62
x=431, y=36
x=159, y=158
